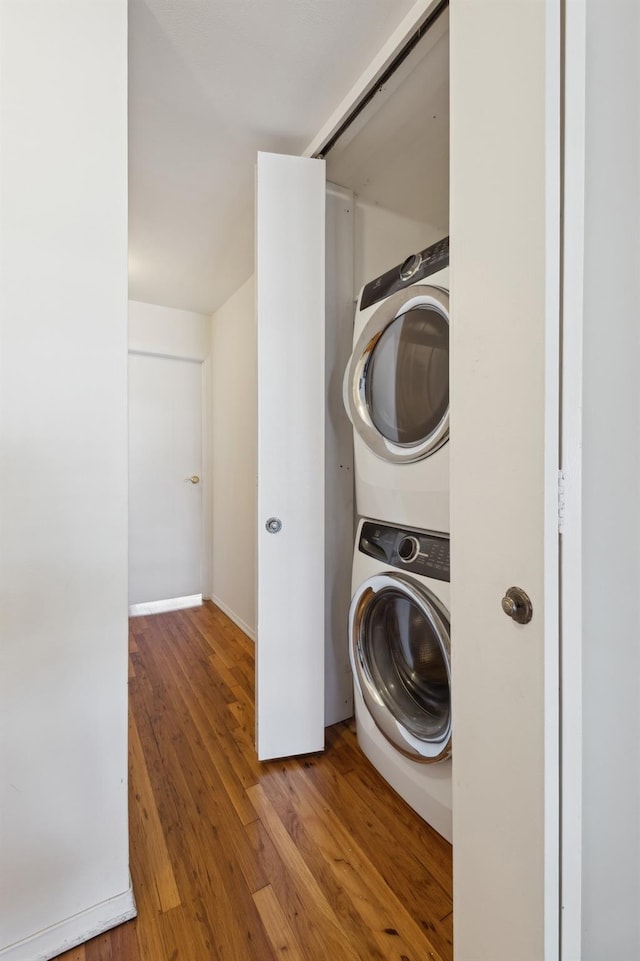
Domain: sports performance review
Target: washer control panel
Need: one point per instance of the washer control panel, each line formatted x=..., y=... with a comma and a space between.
x=419, y=552
x=415, y=267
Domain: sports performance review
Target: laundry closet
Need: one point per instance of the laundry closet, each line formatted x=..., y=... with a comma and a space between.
x=505, y=222
x=387, y=199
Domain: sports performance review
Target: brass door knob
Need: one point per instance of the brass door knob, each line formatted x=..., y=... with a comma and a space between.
x=194, y=479
x=517, y=605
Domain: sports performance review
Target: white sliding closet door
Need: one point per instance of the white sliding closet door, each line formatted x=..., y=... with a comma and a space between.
x=290, y=254
x=505, y=230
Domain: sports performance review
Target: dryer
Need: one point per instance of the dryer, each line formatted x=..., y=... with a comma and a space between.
x=396, y=393
x=399, y=646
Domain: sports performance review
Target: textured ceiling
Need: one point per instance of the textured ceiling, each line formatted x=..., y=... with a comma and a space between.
x=210, y=83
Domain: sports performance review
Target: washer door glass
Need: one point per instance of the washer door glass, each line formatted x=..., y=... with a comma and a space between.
x=399, y=649
x=407, y=377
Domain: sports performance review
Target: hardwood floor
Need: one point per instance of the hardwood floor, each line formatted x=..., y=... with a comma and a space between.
x=311, y=859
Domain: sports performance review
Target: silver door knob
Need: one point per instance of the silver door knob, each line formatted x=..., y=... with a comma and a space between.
x=194, y=479
x=274, y=525
x=517, y=605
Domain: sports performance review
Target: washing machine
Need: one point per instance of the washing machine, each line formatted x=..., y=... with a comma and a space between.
x=399, y=646
x=396, y=393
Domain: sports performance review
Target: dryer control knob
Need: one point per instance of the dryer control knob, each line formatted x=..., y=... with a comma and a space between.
x=517, y=605
x=408, y=549
x=410, y=267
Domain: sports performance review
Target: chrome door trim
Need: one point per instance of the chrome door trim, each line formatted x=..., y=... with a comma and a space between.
x=354, y=383
x=435, y=613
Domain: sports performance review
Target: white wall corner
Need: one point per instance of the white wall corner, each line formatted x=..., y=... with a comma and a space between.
x=244, y=627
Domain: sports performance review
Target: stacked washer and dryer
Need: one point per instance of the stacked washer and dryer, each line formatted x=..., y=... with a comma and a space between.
x=396, y=393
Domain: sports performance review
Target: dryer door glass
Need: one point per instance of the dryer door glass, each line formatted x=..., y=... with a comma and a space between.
x=407, y=661
x=407, y=379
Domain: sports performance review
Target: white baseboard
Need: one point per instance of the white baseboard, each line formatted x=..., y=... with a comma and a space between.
x=249, y=631
x=161, y=607
x=74, y=931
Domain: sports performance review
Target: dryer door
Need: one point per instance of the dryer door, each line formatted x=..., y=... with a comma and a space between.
x=400, y=655
x=396, y=387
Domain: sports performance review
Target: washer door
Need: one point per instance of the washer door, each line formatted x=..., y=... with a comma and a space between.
x=399, y=647
x=396, y=387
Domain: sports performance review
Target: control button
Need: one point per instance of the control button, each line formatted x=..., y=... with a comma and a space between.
x=410, y=267
x=408, y=549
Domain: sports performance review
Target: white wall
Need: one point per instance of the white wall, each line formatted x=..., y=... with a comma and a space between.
x=611, y=491
x=384, y=239
x=235, y=444
x=167, y=331
x=63, y=483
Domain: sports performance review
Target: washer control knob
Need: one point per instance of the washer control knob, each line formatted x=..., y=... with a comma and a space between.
x=410, y=267
x=408, y=549
x=517, y=605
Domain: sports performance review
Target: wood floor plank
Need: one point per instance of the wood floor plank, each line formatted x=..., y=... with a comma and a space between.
x=337, y=897
x=124, y=942
x=75, y=954
x=149, y=937
x=187, y=933
x=396, y=846
x=203, y=708
x=212, y=840
x=278, y=929
x=315, y=825
x=333, y=941
x=158, y=939
x=100, y=949
x=221, y=669
x=232, y=859
x=366, y=784
x=164, y=882
x=222, y=635
x=357, y=784
x=242, y=711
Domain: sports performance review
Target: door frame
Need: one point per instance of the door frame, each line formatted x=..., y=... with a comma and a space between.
x=206, y=479
x=567, y=252
x=570, y=488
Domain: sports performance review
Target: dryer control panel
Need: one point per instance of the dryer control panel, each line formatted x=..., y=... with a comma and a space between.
x=419, y=552
x=416, y=267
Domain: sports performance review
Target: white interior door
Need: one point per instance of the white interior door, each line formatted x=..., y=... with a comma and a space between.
x=165, y=467
x=290, y=217
x=505, y=201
